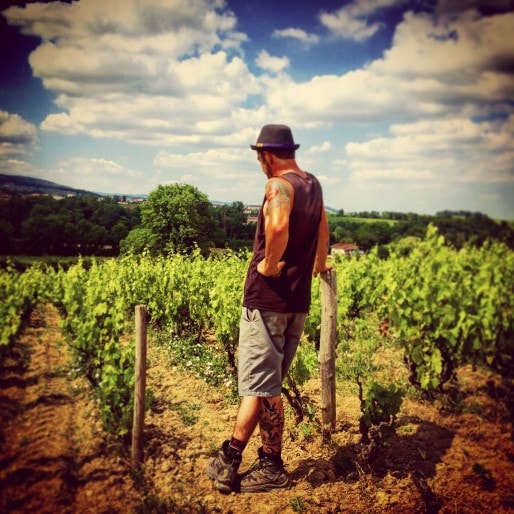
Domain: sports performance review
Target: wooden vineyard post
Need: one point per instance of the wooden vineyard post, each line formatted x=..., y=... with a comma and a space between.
x=140, y=386
x=327, y=353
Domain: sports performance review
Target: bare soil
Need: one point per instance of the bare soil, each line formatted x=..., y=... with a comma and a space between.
x=450, y=455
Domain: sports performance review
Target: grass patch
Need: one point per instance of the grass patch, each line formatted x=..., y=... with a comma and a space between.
x=187, y=411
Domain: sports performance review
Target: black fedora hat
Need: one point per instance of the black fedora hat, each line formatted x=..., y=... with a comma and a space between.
x=275, y=137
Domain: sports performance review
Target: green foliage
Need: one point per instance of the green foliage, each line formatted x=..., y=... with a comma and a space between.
x=116, y=389
x=304, y=364
x=380, y=405
x=234, y=228
x=136, y=241
x=200, y=359
x=450, y=307
x=370, y=229
x=358, y=280
x=92, y=225
x=312, y=328
x=445, y=307
x=226, y=295
x=84, y=225
x=20, y=293
x=363, y=358
x=179, y=217
x=12, y=307
x=97, y=302
x=187, y=412
x=297, y=504
x=94, y=320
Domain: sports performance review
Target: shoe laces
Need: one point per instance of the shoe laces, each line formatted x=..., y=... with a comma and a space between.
x=257, y=464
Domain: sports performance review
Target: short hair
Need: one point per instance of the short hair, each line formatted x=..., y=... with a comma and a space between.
x=283, y=153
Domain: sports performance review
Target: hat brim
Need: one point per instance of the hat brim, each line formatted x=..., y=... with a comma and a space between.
x=271, y=146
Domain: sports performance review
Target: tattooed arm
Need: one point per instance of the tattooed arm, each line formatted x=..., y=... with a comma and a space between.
x=277, y=208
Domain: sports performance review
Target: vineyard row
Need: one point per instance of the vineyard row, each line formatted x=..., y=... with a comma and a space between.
x=442, y=307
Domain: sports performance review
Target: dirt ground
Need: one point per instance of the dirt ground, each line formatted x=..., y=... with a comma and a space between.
x=454, y=455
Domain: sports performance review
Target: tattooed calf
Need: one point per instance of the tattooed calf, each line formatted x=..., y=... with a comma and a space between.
x=271, y=423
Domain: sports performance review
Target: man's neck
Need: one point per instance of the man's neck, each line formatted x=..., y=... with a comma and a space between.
x=289, y=169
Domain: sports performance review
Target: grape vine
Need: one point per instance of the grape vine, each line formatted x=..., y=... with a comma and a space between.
x=442, y=308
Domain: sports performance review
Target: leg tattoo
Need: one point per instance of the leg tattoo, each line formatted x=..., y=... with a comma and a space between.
x=271, y=423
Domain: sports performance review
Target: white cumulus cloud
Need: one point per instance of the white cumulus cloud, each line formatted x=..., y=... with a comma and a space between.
x=296, y=33
x=17, y=136
x=122, y=68
x=270, y=63
x=352, y=20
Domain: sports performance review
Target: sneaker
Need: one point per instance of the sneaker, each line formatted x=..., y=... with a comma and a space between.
x=223, y=469
x=265, y=476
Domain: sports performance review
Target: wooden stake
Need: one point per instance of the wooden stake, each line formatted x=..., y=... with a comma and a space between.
x=139, y=387
x=327, y=353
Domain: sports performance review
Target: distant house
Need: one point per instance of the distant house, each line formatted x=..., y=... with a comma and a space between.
x=252, y=213
x=343, y=249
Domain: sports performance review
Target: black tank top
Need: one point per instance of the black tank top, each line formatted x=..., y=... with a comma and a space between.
x=291, y=291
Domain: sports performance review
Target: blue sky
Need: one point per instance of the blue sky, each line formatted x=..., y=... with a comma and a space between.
x=398, y=105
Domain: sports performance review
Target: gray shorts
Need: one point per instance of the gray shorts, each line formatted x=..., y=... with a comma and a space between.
x=267, y=345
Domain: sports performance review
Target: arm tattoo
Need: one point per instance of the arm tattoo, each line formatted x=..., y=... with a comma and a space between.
x=277, y=194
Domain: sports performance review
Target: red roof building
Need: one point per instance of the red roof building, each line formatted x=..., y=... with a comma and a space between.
x=343, y=248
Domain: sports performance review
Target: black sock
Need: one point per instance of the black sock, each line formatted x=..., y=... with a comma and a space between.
x=272, y=457
x=237, y=445
x=235, y=448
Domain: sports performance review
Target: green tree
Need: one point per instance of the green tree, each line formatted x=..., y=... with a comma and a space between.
x=178, y=217
x=83, y=206
x=233, y=225
x=342, y=235
x=6, y=236
x=107, y=213
x=136, y=241
x=369, y=235
x=92, y=237
x=118, y=232
x=41, y=234
x=14, y=211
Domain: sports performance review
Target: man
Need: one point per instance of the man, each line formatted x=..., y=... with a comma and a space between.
x=291, y=244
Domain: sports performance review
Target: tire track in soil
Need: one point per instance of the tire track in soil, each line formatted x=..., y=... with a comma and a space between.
x=54, y=456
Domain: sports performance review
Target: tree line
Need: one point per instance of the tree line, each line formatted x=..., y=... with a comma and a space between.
x=85, y=225
x=370, y=229
x=179, y=217
x=174, y=218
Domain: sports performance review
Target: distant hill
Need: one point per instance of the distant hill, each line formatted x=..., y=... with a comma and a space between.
x=19, y=184
x=28, y=185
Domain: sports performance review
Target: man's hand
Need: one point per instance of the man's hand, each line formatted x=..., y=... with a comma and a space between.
x=321, y=269
x=270, y=271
